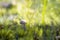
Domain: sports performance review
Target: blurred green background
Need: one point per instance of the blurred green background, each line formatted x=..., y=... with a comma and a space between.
x=40, y=19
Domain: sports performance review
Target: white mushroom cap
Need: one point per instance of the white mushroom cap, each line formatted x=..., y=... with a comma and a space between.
x=4, y=4
x=23, y=22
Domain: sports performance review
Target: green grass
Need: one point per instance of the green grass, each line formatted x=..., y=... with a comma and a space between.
x=41, y=18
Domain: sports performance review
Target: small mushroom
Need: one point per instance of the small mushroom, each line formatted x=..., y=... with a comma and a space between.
x=23, y=22
x=6, y=5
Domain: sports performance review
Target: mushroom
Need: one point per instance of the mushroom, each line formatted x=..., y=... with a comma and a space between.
x=23, y=23
x=6, y=5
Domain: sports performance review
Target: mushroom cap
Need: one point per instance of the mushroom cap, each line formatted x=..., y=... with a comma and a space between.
x=5, y=5
x=23, y=22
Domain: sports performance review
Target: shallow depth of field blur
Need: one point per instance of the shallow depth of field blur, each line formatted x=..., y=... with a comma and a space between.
x=29, y=19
